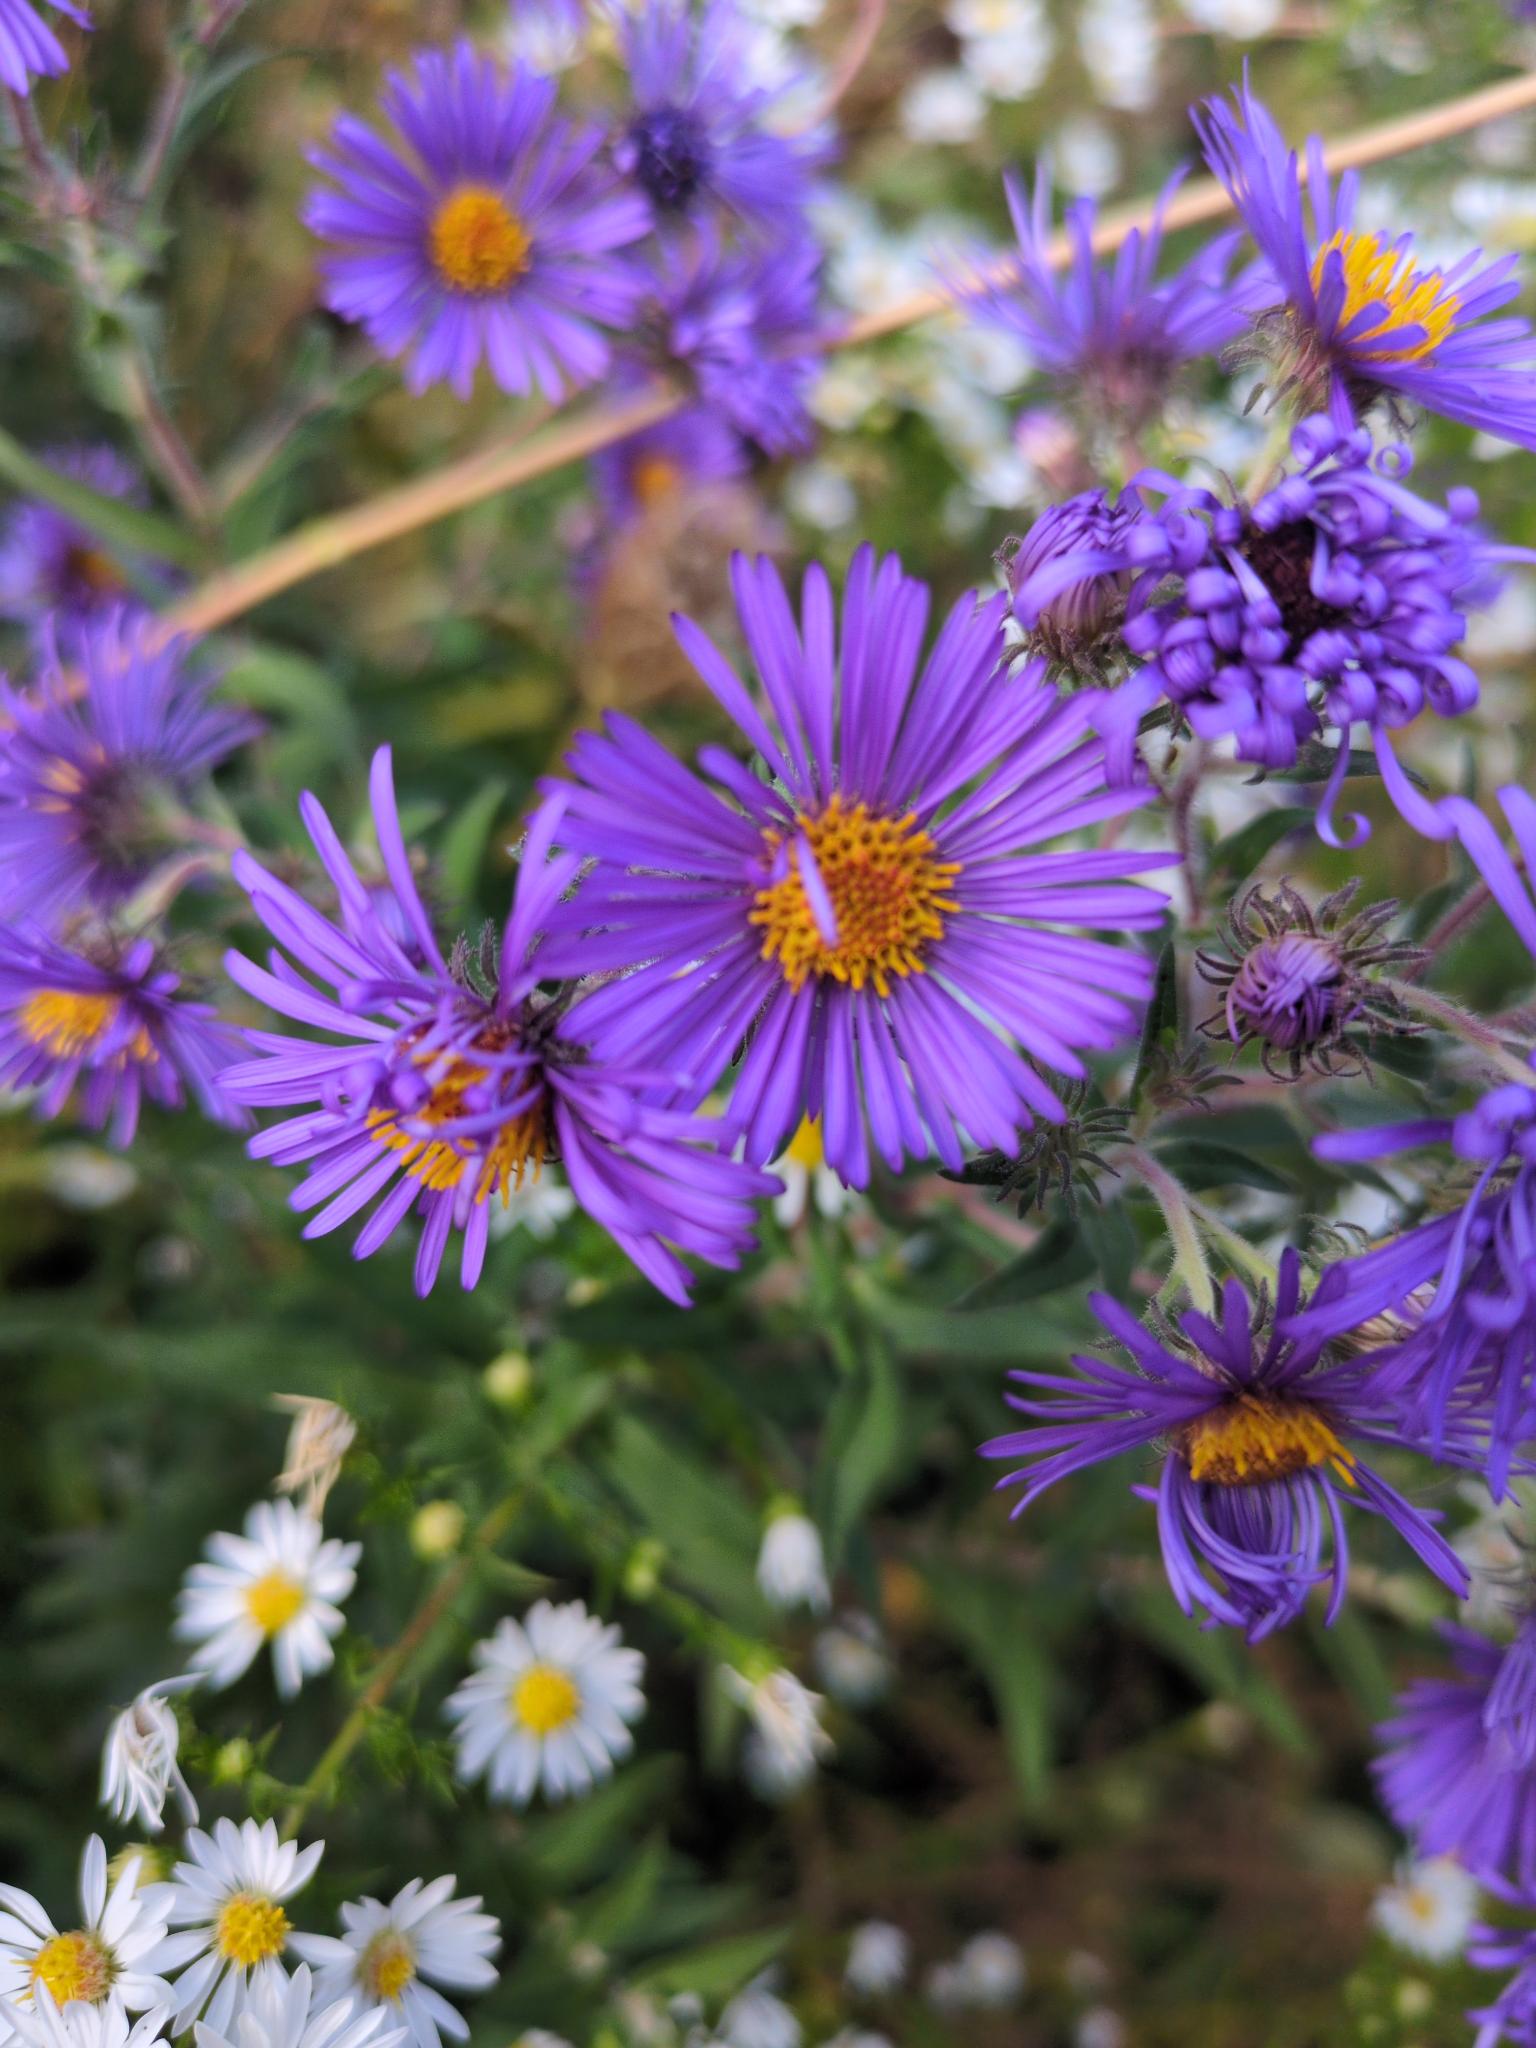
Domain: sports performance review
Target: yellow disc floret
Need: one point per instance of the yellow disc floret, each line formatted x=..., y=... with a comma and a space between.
x=66, y=1023
x=478, y=243
x=387, y=1964
x=273, y=1600
x=654, y=479
x=805, y=1147
x=73, y=1966
x=250, y=1929
x=886, y=887
x=500, y=1159
x=544, y=1699
x=1257, y=1437
x=1376, y=274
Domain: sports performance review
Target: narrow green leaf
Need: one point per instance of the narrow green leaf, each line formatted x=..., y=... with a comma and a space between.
x=1061, y=1258
x=1234, y=858
x=131, y=528
x=462, y=849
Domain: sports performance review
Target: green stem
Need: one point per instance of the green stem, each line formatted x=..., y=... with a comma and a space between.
x=392, y=1666
x=1460, y=1023
x=121, y=525
x=1170, y=1195
x=1234, y=1247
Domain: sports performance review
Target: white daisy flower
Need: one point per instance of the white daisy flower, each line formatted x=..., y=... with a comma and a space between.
x=1009, y=66
x=755, y=2018
x=388, y=1957
x=877, y=1959
x=787, y=1740
x=549, y=1705
x=942, y=106
x=541, y=2037
x=319, y=1438
x=1429, y=1910
x=992, y=1969
x=791, y=1565
x=138, y=1759
x=114, y=1957
x=290, y=2012
x=539, y=1207
x=230, y=1900
x=851, y=1660
x=279, y=1583
x=803, y=1168
x=1099, y=2027
x=42, y=2023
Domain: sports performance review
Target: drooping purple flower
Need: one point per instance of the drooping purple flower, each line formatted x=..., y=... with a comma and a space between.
x=480, y=228
x=51, y=567
x=1338, y=598
x=647, y=469
x=1257, y=1461
x=441, y=1085
x=101, y=1023
x=28, y=46
x=92, y=753
x=869, y=915
x=696, y=139
x=742, y=323
x=1454, y=1773
x=1358, y=316
x=1115, y=330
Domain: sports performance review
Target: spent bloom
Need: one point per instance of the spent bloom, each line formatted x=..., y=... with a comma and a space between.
x=549, y=1704
x=758, y=2018
x=102, y=1026
x=1428, y=1909
x=389, y=1958
x=138, y=1759
x=319, y=1438
x=115, y=1956
x=479, y=229
x=28, y=46
x=51, y=567
x=791, y=1566
x=230, y=1901
x=1257, y=1463
x=292, y=2012
x=786, y=1740
x=842, y=912
x=852, y=1661
x=651, y=468
x=1114, y=330
x=96, y=762
x=280, y=1583
x=1355, y=315
x=697, y=137
x=443, y=1086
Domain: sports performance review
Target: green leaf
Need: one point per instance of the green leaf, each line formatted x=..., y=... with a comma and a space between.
x=1207, y=1163
x=120, y=524
x=1160, y=1024
x=1235, y=857
x=862, y=1448
x=1221, y=1667
x=704, y=1523
x=1110, y=1237
x=1015, y=1660
x=719, y=1968
x=462, y=849
x=1061, y=1258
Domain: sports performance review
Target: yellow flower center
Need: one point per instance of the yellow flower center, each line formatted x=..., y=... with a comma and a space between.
x=478, y=243
x=886, y=888
x=653, y=478
x=66, y=1023
x=544, y=1699
x=273, y=1600
x=73, y=1966
x=1376, y=274
x=1255, y=1437
x=89, y=566
x=805, y=1147
x=250, y=1929
x=516, y=1148
x=388, y=1964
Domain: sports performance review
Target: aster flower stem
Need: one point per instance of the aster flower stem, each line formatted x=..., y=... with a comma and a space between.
x=34, y=144
x=868, y=19
x=396, y=1661
x=505, y=465
x=1233, y=1245
x=1190, y=1269
x=1460, y=1024
x=1450, y=927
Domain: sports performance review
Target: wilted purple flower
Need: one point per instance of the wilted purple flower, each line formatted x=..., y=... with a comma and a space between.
x=742, y=323
x=103, y=1022
x=1256, y=1430
x=869, y=910
x=91, y=755
x=1455, y=1773
x=28, y=46
x=1073, y=624
x=443, y=1086
x=1359, y=316
x=479, y=229
x=649, y=468
x=52, y=567
x=695, y=137
x=1114, y=329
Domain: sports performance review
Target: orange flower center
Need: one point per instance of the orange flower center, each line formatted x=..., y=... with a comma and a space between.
x=66, y=1023
x=478, y=244
x=72, y=1966
x=519, y=1146
x=1257, y=1437
x=886, y=887
x=1377, y=275
x=653, y=478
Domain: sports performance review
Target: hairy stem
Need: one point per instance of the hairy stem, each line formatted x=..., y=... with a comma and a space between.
x=1460, y=1023
x=1171, y=1196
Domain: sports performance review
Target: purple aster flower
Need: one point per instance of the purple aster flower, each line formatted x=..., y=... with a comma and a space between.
x=28, y=46
x=1512, y=2015
x=441, y=1086
x=1115, y=330
x=102, y=1022
x=52, y=567
x=869, y=914
x=742, y=323
x=1358, y=316
x=1075, y=625
x=1337, y=598
x=479, y=228
x=93, y=756
x=1455, y=1773
x=695, y=137
x=649, y=468
x=1256, y=1459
